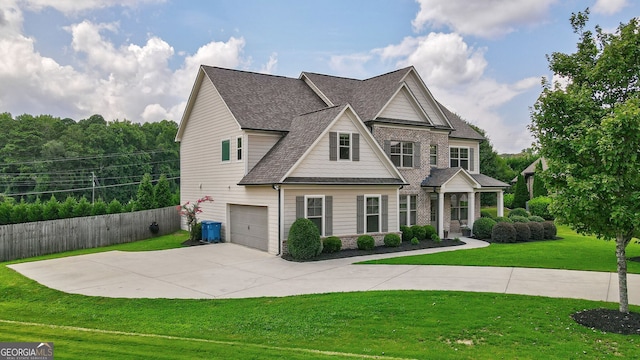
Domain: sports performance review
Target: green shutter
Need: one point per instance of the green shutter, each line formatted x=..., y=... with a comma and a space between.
x=226, y=150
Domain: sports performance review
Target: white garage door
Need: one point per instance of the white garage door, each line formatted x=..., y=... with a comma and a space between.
x=249, y=226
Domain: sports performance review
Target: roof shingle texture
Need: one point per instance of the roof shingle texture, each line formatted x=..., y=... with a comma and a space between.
x=439, y=177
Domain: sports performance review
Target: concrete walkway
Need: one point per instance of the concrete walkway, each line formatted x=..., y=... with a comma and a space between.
x=223, y=271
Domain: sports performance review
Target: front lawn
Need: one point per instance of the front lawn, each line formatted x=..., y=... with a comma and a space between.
x=573, y=252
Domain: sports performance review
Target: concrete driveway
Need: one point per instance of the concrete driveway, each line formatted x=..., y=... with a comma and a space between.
x=222, y=271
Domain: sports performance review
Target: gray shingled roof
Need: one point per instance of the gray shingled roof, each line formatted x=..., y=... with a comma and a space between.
x=439, y=177
x=462, y=130
x=304, y=130
x=264, y=102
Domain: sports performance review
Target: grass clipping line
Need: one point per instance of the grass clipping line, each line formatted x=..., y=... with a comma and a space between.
x=230, y=343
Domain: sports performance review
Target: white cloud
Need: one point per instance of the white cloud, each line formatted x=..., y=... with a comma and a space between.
x=609, y=7
x=271, y=65
x=75, y=6
x=350, y=65
x=488, y=18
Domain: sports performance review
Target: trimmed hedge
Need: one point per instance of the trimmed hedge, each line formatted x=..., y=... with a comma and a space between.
x=485, y=213
x=392, y=240
x=503, y=219
x=304, y=240
x=419, y=231
x=523, y=233
x=407, y=233
x=519, y=212
x=507, y=200
x=537, y=230
x=520, y=219
x=482, y=228
x=540, y=206
x=504, y=233
x=550, y=230
x=331, y=244
x=429, y=231
x=366, y=242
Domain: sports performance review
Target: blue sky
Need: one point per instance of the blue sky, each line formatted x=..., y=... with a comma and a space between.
x=137, y=59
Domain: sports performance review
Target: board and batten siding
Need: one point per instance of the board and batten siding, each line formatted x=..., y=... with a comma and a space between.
x=258, y=145
x=344, y=205
x=317, y=161
x=402, y=107
x=424, y=100
x=204, y=173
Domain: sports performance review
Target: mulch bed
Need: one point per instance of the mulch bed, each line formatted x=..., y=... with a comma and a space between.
x=190, y=242
x=404, y=246
x=608, y=320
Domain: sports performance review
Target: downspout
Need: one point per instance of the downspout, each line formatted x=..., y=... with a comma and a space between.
x=277, y=187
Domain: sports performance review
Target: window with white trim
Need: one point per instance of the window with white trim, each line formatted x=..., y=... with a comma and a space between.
x=344, y=146
x=314, y=211
x=239, y=148
x=459, y=157
x=401, y=153
x=408, y=209
x=372, y=214
x=459, y=207
x=433, y=155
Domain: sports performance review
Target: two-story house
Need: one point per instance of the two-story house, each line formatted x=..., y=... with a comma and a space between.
x=353, y=156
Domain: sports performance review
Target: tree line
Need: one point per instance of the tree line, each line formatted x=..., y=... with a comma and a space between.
x=45, y=156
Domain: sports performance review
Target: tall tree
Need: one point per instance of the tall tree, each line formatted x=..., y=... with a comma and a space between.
x=589, y=133
x=145, y=199
x=539, y=188
x=521, y=193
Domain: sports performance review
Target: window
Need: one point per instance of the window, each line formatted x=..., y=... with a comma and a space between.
x=372, y=214
x=459, y=157
x=239, y=148
x=226, y=150
x=344, y=146
x=401, y=153
x=459, y=207
x=433, y=155
x=314, y=211
x=408, y=209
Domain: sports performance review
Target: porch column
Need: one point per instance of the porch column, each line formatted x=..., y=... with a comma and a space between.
x=500, y=203
x=471, y=210
x=441, y=215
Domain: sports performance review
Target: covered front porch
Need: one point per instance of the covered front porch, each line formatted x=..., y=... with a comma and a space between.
x=454, y=198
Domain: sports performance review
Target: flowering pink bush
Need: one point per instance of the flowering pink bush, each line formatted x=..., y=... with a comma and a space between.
x=191, y=211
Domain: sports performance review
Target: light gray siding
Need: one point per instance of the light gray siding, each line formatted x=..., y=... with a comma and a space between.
x=425, y=100
x=258, y=145
x=403, y=107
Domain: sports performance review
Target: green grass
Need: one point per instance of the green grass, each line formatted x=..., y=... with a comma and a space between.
x=399, y=324
x=573, y=252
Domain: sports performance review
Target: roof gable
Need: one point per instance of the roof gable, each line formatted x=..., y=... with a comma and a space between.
x=404, y=106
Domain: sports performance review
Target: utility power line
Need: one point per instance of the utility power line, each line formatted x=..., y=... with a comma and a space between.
x=83, y=189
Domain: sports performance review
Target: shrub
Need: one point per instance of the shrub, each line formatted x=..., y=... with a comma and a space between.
x=114, y=207
x=99, y=207
x=482, y=228
x=415, y=241
x=519, y=212
x=392, y=240
x=304, y=239
x=5, y=212
x=19, y=213
x=507, y=201
x=485, y=213
x=82, y=208
x=366, y=242
x=503, y=219
x=540, y=206
x=522, y=231
x=407, y=233
x=535, y=218
x=435, y=238
x=331, y=244
x=429, y=231
x=520, y=219
x=144, y=198
x=196, y=232
x=520, y=192
x=419, y=232
x=65, y=210
x=50, y=209
x=503, y=233
x=34, y=211
x=550, y=230
x=537, y=230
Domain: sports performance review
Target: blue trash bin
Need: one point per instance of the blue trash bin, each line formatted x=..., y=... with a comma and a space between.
x=215, y=231
x=206, y=230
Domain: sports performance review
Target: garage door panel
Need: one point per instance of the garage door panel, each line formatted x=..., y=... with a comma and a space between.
x=249, y=226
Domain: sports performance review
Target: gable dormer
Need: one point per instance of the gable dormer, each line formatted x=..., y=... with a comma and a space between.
x=425, y=99
x=404, y=106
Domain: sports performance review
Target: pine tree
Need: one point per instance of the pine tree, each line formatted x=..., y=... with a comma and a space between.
x=162, y=193
x=145, y=198
x=539, y=188
x=521, y=194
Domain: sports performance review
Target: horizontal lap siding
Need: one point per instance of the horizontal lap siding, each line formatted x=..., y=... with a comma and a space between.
x=317, y=163
x=258, y=146
x=402, y=108
x=344, y=206
x=427, y=104
x=203, y=172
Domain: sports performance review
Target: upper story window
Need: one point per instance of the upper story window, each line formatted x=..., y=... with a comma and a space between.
x=459, y=157
x=239, y=148
x=344, y=146
x=226, y=150
x=433, y=155
x=401, y=153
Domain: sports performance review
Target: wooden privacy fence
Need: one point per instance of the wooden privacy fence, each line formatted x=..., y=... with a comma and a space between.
x=21, y=241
